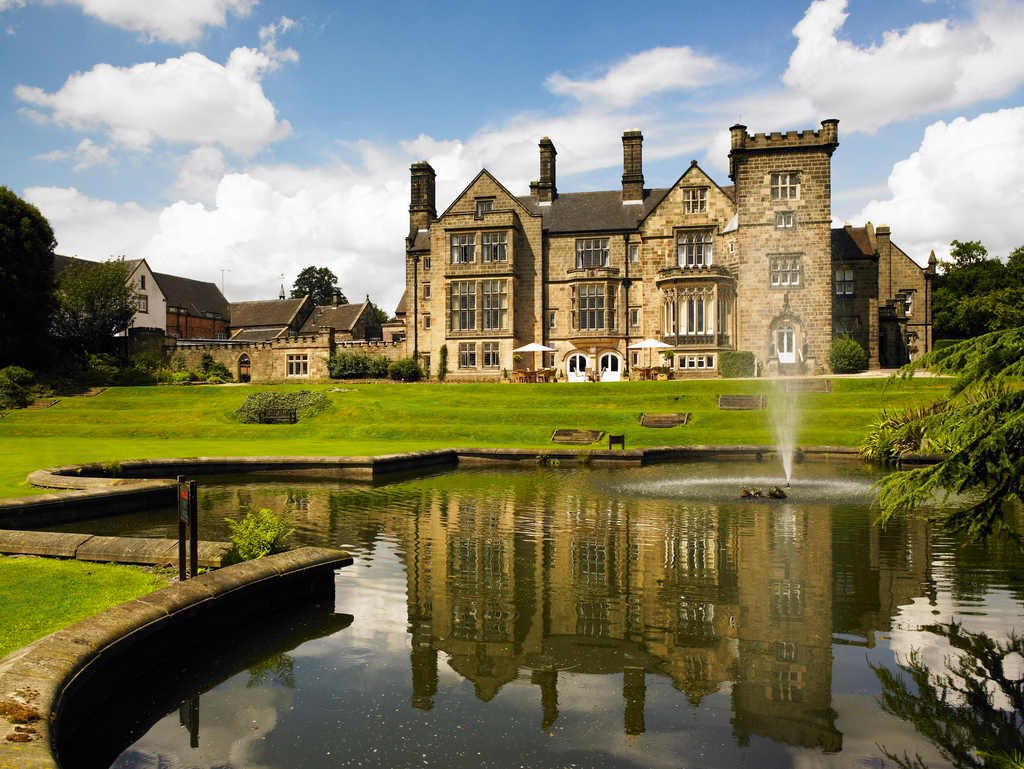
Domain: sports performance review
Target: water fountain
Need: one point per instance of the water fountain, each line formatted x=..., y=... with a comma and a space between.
x=785, y=420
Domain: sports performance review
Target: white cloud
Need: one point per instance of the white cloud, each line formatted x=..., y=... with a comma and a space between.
x=965, y=181
x=921, y=70
x=6, y=5
x=268, y=41
x=180, y=21
x=199, y=175
x=92, y=228
x=649, y=72
x=86, y=155
x=185, y=100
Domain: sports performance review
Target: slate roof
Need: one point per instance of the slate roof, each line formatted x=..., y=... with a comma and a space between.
x=341, y=317
x=264, y=313
x=422, y=241
x=403, y=304
x=851, y=243
x=593, y=211
x=197, y=296
x=258, y=334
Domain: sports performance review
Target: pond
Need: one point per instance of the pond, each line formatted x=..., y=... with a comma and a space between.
x=550, y=617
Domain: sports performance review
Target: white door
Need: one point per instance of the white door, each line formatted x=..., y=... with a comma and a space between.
x=610, y=366
x=784, y=345
x=576, y=367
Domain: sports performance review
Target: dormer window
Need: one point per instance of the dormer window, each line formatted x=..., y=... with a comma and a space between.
x=695, y=200
x=693, y=248
x=484, y=206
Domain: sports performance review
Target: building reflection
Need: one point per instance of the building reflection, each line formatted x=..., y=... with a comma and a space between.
x=751, y=596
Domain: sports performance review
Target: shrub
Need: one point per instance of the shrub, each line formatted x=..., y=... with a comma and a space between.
x=15, y=383
x=102, y=369
x=847, y=356
x=182, y=377
x=133, y=376
x=214, y=380
x=304, y=402
x=213, y=369
x=736, y=363
x=347, y=364
x=150, y=362
x=405, y=370
x=442, y=363
x=256, y=535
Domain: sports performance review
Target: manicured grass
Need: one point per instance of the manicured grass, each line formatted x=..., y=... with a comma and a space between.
x=379, y=418
x=41, y=595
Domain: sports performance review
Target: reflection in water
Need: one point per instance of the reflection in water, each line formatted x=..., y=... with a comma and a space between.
x=606, y=619
x=973, y=710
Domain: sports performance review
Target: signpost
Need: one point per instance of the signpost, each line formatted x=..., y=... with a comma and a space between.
x=188, y=519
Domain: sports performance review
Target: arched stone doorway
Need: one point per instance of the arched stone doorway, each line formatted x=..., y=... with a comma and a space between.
x=610, y=366
x=244, y=368
x=576, y=366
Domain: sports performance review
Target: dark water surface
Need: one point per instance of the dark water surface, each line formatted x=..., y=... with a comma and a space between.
x=592, y=618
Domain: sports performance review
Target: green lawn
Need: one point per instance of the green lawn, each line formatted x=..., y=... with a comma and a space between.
x=378, y=418
x=73, y=591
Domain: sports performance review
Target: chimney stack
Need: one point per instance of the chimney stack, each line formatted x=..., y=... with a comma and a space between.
x=632, y=167
x=421, y=204
x=545, y=190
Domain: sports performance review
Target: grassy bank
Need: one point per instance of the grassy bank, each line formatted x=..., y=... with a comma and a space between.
x=377, y=418
x=73, y=589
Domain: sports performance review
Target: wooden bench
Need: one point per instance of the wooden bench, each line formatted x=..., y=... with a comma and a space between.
x=807, y=385
x=576, y=437
x=616, y=440
x=278, y=417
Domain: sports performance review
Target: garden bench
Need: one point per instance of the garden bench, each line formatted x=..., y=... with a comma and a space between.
x=278, y=417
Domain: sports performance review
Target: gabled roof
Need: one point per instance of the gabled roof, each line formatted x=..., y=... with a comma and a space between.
x=258, y=334
x=489, y=175
x=403, y=304
x=851, y=243
x=61, y=263
x=593, y=211
x=197, y=296
x=266, y=312
x=340, y=317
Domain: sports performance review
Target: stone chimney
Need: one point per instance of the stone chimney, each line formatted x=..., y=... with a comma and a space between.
x=632, y=167
x=421, y=203
x=933, y=263
x=545, y=190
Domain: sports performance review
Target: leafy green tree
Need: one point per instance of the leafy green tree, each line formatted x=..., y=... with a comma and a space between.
x=976, y=435
x=975, y=295
x=320, y=284
x=956, y=708
x=94, y=302
x=26, y=281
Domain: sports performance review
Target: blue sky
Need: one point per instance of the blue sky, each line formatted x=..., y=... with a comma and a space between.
x=261, y=137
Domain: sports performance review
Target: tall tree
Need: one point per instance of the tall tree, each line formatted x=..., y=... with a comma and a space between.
x=320, y=284
x=26, y=281
x=95, y=302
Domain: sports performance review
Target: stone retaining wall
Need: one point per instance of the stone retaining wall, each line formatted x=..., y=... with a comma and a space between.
x=88, y=547
x=57, y=680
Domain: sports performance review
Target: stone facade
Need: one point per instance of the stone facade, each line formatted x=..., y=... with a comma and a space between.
x=700, y=267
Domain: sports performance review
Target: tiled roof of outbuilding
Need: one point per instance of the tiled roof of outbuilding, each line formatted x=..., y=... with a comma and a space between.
x=197, y=296
x=266, y=312
x=340, y=317
x=258, y=334
x=593, y=211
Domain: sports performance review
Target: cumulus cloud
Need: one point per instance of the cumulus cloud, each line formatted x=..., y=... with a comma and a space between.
x=649, y=72
x=268, y=41
x=185, y=100
x=86, y=155
x=8, y=4
x=181, y=21
x=965, y=181
x=923, y=69
x=93, y=228
x=199, y=175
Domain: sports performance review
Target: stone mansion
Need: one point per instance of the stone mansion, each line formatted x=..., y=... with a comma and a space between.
x=703, y=268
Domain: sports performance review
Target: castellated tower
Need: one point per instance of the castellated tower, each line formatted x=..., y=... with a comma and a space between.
x=783, y=204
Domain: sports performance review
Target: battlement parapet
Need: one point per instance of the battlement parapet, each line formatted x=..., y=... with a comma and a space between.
x=827, y=137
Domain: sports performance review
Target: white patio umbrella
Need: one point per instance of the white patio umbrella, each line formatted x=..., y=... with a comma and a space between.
x=649, y=344
x=536, y=347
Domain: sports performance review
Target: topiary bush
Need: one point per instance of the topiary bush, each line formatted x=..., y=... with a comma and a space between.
x=256, y=535
x=304, y=402
x=736, y=363
x=442, y=363
x=847, y=356
x=405, y=370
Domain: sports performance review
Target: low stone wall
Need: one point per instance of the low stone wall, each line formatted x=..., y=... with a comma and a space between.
x=146, y=551
x=54, y=684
